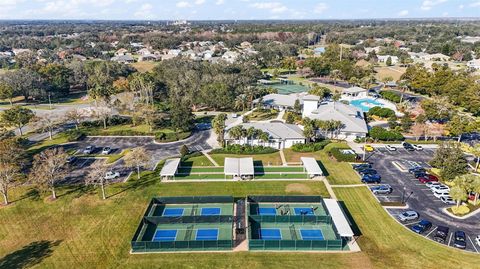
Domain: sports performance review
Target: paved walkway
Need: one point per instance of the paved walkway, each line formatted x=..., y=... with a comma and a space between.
x=284, y=161
x=280, y=116
x=210, y=158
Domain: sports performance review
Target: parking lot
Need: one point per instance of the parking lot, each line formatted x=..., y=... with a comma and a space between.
x=419, y=197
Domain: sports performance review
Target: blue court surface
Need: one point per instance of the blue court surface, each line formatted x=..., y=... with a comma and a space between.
x=303, y=211
x=207, y=234
x=165, y=235
x=267, y=211
x=211, y=211
x=311, y=234
x=270, y=234
x=173, y=212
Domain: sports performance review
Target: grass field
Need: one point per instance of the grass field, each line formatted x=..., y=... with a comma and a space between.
x=272, y=159
x=197, y=161
x=144, y=67
x=389, y=71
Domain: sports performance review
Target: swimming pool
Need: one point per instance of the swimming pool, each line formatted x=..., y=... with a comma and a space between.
x=366, y=104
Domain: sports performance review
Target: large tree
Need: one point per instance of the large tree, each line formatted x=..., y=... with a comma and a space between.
x=11, y=162
x=450, y=158
x=17, y=117
x=97, y=176
x=137, y=158
x=26, y=83
x=218, y=124
x=49, y=167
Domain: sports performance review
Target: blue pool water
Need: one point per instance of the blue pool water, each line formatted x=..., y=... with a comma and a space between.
x=365, y=104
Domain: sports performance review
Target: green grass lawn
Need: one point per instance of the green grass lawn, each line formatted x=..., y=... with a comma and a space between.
x=201, y=170
x=338, y=173
x=281, y=176
x=273, y=159
x=263, y=114
x=110, y=158
x=388, y=245
x=197, y=161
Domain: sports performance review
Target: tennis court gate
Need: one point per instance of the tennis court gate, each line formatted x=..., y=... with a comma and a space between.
x=142, y=239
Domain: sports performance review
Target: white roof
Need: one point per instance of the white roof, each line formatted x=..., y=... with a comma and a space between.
x=354, y=90
x=170, y=167
x=311, y=166
x=238, y=166
x=338, y=217
x=276, y=130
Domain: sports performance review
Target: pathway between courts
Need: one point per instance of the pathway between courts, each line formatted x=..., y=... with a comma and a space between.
x=210, y=158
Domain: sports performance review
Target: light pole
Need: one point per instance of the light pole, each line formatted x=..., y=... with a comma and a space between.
x=408, y=197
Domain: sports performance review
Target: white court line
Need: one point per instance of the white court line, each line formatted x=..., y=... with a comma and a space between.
x=472, y=244
x=431, y=232
x=450, y=240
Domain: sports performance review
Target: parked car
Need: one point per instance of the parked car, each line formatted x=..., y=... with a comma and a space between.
x=419, y=174
x=390, y=148
x=417, y=147
x=112, y=175
x=368, y=171
x=460, y=240
x=440, y=188
x=106, y=150
x=471, y=196
x=89, y=150
x=433, y=184
x=234, y=115
x=72, y=159
x=382, y=189
x=362, y=166
x=422, y=226
x=408, y=146
x=416, y=169
x=369, y=148
x=408, y=215
x=372, y=179
x=477, y=240
x=441, y=234
x=440, y=193
x=447, y=200
x=428, y=178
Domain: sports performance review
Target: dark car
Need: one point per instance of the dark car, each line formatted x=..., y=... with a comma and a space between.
x=362, y=166
x=460, y=240
x=422, y=226
x=419, y=174
x=372, y=179
x=368, y=172
x=441, y=234
x=408, y=146
x=416, y=169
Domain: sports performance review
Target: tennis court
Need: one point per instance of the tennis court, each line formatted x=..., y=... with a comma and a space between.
x=293, y=231
x=179, y=210
x=193, y=232
x=292, y=209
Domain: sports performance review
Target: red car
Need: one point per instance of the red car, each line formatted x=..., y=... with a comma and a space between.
x=428, y=178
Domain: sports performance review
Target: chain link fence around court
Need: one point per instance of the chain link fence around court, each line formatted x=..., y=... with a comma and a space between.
x=157, y=233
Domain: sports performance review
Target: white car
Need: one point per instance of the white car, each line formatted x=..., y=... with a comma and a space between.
x=447, y=200
x=106, y=150
x=433, y=184
x=440, y=188
x=88, y=150
x=477, y=240
x=112, y=175
x=391, y=148
x=408, y=215
x=234, y=115
x=417, y=147
x=441, y=193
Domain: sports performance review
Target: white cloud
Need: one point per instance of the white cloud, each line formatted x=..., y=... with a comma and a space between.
x=144, y=12
x=320, y=8
x=403, y=13
x=183, y=4
x=475, y=4
x=199, y=2
x=461, y=6
x=274, y=7
x=220, y=2
x=428, y=4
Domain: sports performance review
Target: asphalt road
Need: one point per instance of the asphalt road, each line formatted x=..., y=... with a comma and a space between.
x=422, y=200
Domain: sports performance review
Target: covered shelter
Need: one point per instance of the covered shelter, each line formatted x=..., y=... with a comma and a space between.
x=239, y=167
x=338, y=218
x=311, y=166
x=170, y=168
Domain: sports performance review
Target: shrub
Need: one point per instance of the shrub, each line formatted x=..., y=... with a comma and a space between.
x=312, y=147
x=390, y=96
x=461, y=210
x=341, y=157
x=74, y=135
x=170, y=137
x=379, y=133
x=244, y=149
x=382, y=112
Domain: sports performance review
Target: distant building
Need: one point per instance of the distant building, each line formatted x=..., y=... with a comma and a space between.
x=319, y=51
x=355, y=92
x=474, y=64
x=384, y=59
x=123, y=59
x=121, y=52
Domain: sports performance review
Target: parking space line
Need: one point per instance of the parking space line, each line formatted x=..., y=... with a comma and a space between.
x=472, y=244
x=412, y=223
x=450, y=240
x=433, y=230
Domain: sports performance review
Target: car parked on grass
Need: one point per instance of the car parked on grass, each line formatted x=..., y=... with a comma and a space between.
x=112, y=175
x=441, y=234
x=391, y=148
x=382, y=189
x=106, y=150
x=422, y=226
x=408, y=216
x=460, y=240
x=428, y=178
x=372, y=179
x=417, y=147
x=89, y=150
x=447, y=200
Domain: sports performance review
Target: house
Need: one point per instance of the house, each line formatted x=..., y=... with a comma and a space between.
x=174, y=52
x=355, y=92
x=230, y=56
x=352, y=119
x=474, y=64
x=281, y=135
x=374, y=49
x=121, y=52
x=18, y=51
x=319, y=51
x=384, y=59
x=246, y=45
x=149, y=58
x=144, y=52
x=284, y=102
x=124, y=59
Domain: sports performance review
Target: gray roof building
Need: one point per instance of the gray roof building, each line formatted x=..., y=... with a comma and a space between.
x=350, y=116
x=276, y=130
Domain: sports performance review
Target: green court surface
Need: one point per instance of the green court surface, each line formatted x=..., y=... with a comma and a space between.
x=279, y=169
x=199, y=176
x=288, y=208
x=290, y=231
x=186, y=170
x=288, y=88
x=282, y=176
x=189, y=231
x=191, y=209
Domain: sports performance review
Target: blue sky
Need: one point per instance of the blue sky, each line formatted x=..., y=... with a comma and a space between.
x=235, y=9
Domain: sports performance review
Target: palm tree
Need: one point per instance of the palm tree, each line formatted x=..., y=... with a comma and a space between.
x=335, y=74
x=236, y=132
x=241, y=102
x=403, y=85
x=250, y=133
x=264, y=137
x=458, y=194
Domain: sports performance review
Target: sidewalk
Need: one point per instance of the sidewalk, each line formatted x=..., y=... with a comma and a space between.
x=210, y=158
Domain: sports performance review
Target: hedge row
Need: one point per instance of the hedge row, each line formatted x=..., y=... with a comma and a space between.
x=382, y=112
x=312, y=147
x=341, y=157
x=244, y=149
x=390, y=96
